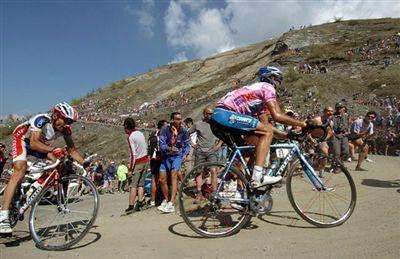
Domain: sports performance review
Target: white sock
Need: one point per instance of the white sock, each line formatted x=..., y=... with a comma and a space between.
x=4, y=214
x=257, y=173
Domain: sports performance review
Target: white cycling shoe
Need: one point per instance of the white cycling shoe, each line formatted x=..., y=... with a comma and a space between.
x=265, y=180
x=5, y=227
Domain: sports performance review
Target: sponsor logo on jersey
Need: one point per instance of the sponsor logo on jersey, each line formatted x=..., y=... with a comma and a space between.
x=41, y=121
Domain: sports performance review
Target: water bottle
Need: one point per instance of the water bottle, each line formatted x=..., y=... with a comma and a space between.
x=274, y=168
x=36, y=185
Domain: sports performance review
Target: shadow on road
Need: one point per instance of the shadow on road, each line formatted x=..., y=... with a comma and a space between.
x=90, y=238
x=20, y=237
x=173, y=230
x=17, y=238
x=381, y=183
x=281, y=218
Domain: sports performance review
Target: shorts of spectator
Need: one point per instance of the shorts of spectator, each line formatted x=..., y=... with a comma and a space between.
x=339, y=146
x=139, y=176
x=202, y=157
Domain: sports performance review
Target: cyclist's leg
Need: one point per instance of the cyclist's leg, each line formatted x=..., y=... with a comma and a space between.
x=265, y=135
x=237, y=123
x=19, y=166
x=19, y=152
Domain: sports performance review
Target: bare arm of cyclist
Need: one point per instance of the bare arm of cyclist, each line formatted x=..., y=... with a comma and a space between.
x=281, y=117
x=72, y=150
x=37, y=144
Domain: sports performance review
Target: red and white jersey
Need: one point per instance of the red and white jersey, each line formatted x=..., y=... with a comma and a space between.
x=138, y=148
x=42, y=123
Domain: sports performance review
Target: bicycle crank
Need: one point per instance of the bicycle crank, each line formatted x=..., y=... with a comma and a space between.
x=262, y=204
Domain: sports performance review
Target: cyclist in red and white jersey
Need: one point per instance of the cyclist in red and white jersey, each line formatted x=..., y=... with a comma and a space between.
x=31, y=138
x=246, y=110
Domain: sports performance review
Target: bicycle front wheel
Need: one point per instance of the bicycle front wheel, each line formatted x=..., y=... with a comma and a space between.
x=212, y=214
x=58, y=224
x=327, y=207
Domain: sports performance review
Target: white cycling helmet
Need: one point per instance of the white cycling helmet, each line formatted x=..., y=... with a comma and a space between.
x=66, y=111
x=265, y=73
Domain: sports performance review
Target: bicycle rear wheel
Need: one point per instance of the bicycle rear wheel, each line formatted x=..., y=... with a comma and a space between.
x=212, y=215
x=60, y=224
x=323, y=208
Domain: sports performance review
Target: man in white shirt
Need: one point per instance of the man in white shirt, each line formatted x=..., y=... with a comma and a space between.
x=360, y=130
x=138, y=165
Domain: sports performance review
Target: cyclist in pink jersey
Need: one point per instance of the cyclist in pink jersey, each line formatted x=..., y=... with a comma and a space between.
x=245, y=111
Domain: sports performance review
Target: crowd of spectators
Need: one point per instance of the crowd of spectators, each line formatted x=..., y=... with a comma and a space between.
x=369, y=50
x=110, y=112
x=306, y=68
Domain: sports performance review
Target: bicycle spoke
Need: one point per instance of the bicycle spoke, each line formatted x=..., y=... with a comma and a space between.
x=221, y=218
x=311, y=201
x=54, y=232
x=72, y=225
x=67, y=233
x=332, y=206
x=339, y=197
x=51, y=223
x=78, y=211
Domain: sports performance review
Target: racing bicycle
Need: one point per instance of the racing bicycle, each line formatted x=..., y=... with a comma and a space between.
x=323, y=200
x=64, y=204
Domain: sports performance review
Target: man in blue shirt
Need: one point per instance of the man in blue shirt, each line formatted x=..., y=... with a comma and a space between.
x=174, y=147
x=109, y=177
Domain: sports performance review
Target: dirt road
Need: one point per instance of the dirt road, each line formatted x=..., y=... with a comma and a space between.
x=372, y=231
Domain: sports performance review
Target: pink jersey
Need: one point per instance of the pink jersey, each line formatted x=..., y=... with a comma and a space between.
x=250, y=99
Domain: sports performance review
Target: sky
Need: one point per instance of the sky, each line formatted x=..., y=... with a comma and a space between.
x=54, y=50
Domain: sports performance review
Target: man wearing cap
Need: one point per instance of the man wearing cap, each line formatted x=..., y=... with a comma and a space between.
x=110, y=177
x=339, y=143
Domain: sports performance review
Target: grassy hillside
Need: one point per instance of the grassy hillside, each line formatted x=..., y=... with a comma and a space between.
x=203, y=81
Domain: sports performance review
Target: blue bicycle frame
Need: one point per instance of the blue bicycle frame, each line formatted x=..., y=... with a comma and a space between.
x=294, y=150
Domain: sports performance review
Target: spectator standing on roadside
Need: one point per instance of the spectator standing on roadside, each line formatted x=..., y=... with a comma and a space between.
x=339, y=143
x=122, y=171
x=174, y=146
x=188, y=164
x=99, y=173
x=390, y=138
x=323, y=147
x=360, y=131
x=109, y=178
x=155, y=160
x=206, y=147
x=138, y=165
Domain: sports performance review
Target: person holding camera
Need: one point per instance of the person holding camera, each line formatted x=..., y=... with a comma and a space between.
x=174, y=147
x=339, y=143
